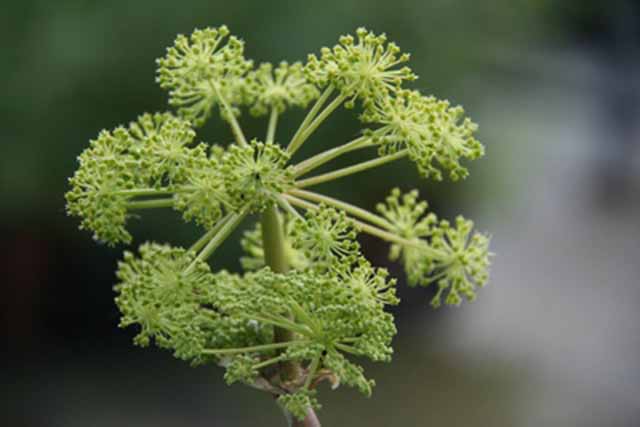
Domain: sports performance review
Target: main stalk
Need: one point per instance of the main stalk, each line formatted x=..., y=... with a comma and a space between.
x=275, y=257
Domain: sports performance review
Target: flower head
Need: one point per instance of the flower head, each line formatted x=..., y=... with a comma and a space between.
x=172, y=305
x=255, y=174
x=365, y=69
x=154, y=152
x=457, y=259
x=370, y=284
x=161, y=143
x=327, y=239
x=206, y=196
x=280, y=88
x=107, y=168
x=202, y=71
x=411, y=222
x=435, y=134
x=466, y=264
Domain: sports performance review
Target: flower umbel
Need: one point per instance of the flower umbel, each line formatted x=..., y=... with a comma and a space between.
x=309, y=304
x=255, y=174
x=466, y=265
x=434, y=133
x=327, y=238
x=366, y=68
x=280, y=88
x=202, y=71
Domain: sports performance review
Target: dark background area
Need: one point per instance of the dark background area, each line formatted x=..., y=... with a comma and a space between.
x=553, y=340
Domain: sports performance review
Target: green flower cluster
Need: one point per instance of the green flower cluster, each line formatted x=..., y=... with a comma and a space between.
x=153, y=155
x=366, y=69
x=433, y=251
x=202, y=71
x=178, y=308
x=327, y=239
x=255, y=174
x=433, y=132
x=179, y=303
x=308, y=301
x=280, y=88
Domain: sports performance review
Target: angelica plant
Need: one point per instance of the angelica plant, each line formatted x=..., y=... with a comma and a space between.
x=309, y=305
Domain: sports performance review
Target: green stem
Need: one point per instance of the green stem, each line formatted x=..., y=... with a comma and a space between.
x=347, y=207
x=134, y=192
x=231, y=118
x=304, y=317
x=310, y=115
x=254, y=348
x=312, y=371
x=209, y=234
x=273, y=123
x=348, y=349
x=150, y=204
x=330, y=176
x=306, y=133
x=273, y=240
x=282, y=324
x=287, y=206
x=290, y=324
x=326, y=156
x=275, y=257
x=267, y=362
x=220, y=237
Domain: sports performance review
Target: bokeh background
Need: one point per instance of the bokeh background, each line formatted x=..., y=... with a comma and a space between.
x=552, y=341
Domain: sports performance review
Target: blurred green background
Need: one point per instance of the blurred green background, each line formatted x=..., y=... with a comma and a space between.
x=552, y=341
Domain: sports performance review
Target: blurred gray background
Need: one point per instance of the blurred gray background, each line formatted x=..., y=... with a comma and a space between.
x=552, y=341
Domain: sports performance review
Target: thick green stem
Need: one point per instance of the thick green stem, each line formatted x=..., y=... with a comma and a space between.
x=276, y=258
x=273, y=123
x=330, y=176
x=273, y=240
